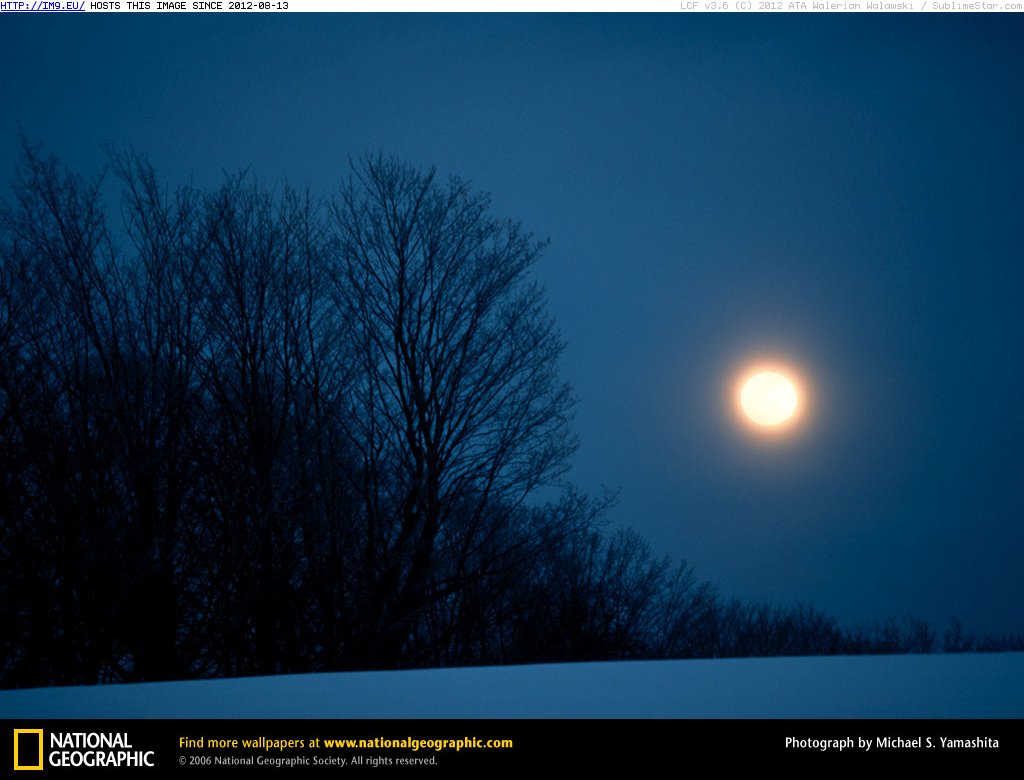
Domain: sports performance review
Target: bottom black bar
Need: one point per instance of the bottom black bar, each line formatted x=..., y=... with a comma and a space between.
x=294, y=748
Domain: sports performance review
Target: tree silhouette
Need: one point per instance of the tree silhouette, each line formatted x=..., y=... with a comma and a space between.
x=456, y=411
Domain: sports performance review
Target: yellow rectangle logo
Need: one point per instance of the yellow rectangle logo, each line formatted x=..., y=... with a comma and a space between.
x=17, y=740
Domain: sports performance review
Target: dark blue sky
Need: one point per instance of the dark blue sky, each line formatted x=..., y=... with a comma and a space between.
x=840, y=192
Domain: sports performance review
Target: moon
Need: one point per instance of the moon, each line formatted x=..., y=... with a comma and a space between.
x=769, y=399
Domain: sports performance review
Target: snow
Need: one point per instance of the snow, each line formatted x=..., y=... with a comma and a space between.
x=905, y=686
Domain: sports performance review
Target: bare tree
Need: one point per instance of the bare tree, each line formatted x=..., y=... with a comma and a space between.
x=456, y=411
x=60, y=327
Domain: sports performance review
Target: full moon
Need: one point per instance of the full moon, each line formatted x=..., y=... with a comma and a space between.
x=768, y=398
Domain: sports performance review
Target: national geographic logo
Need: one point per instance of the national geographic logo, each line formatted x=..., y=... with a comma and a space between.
x=77, y=749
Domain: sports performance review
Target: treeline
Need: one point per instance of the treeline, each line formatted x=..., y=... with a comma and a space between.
x=251, y=432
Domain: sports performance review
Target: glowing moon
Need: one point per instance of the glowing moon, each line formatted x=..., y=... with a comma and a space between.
x=768, y=399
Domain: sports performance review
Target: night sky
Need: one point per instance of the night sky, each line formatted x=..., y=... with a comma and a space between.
x=839, y=193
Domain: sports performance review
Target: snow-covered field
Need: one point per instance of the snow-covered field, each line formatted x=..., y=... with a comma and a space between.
x=906, y=686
